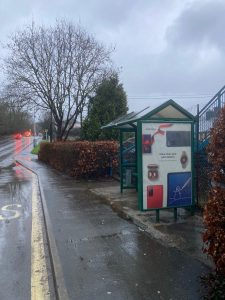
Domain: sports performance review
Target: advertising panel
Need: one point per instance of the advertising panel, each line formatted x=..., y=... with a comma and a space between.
x=166, y=165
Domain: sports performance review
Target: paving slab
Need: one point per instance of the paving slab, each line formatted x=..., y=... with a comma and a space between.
x=185, y=233
x=101, y=255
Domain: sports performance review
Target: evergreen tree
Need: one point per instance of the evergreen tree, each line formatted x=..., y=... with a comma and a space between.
x=109, y=102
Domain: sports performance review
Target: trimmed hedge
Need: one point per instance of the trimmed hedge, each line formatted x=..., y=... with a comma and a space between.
x=81, y=159
x=214, y=213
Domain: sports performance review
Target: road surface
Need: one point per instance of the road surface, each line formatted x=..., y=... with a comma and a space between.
x=25, y=274
x=100, y=255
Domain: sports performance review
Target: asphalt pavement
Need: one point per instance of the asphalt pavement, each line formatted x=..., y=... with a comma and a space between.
x=103, y=247
x=24, y=259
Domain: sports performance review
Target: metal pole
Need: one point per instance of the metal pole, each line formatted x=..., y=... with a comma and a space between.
x=157, y=215
x=175, y=213
x=136, y=158
x=34, y=140
x=219, y=101
x=197, y=157
x=34, y=121
x=121, y=161
x=51, y=128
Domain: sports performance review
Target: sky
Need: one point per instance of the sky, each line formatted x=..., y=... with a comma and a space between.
x=163, y=48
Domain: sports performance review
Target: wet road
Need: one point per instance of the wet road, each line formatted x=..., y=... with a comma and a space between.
x=9, y=147
x=18, y=197
x=101, y=256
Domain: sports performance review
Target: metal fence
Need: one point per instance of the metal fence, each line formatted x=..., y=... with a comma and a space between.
x=209, y=113
x=206, y=118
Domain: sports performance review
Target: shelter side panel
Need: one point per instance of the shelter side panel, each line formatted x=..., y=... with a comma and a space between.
x=166, y=165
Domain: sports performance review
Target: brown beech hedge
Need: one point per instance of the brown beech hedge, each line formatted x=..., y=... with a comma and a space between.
x=214, y=213
x=81, y=159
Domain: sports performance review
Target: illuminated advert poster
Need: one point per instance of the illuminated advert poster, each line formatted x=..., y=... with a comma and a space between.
x=166, y=159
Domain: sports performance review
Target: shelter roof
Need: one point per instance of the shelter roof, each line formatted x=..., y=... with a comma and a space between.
x=168, y=110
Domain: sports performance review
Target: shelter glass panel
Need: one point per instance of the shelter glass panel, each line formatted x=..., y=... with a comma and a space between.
x=128, y=159
x=128, y=148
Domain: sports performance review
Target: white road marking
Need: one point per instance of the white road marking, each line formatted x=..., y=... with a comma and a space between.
x=10, y=209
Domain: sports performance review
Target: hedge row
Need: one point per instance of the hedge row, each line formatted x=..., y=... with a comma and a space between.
x=214, y=213
x=81, y=159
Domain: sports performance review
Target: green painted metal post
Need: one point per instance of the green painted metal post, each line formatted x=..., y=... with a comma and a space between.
x=121, y=162
x=157, y=215
x=193, y=166
x=139, y=166
x=175, y=213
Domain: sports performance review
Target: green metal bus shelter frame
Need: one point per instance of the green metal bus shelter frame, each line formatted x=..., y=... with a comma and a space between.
x=169, y=112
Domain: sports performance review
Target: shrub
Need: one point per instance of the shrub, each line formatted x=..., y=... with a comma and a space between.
x=81, y=159
x=214, y=212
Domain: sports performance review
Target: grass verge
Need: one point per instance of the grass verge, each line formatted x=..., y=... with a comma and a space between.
x=36, y=149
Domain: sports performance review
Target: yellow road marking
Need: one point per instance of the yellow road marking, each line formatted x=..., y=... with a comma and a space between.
x=10, y=208
x=39, y=276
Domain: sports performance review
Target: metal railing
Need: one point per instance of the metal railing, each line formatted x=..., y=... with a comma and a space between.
x=209, y=113
x=206, y=118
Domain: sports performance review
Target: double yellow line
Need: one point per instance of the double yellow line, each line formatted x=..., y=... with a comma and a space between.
x=40, y=289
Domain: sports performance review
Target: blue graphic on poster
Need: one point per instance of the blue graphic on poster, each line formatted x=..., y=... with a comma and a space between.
x=179, y=189
x=166, y=165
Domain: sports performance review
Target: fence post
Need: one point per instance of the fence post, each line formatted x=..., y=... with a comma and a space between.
x=219, y=100
x=197, y=157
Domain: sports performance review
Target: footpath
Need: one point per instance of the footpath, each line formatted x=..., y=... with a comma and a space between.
x=92, y=249
x=185, y=233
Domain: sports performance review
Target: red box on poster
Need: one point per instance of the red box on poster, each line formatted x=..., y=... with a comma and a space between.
x=154, y=196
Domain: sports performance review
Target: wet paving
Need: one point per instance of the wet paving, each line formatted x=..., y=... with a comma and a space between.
x=101, y=255
x=106, y=257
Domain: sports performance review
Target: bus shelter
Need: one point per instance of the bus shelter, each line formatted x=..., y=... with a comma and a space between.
x=156, y=156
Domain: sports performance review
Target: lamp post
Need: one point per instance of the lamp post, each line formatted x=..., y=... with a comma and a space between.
x=34, y=140
x=51, y=131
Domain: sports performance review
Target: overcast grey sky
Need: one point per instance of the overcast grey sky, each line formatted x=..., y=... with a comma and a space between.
x=165, y=48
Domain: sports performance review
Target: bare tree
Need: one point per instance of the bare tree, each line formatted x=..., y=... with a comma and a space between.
x=56, y=68
x=13, y=118
x=14, y=96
